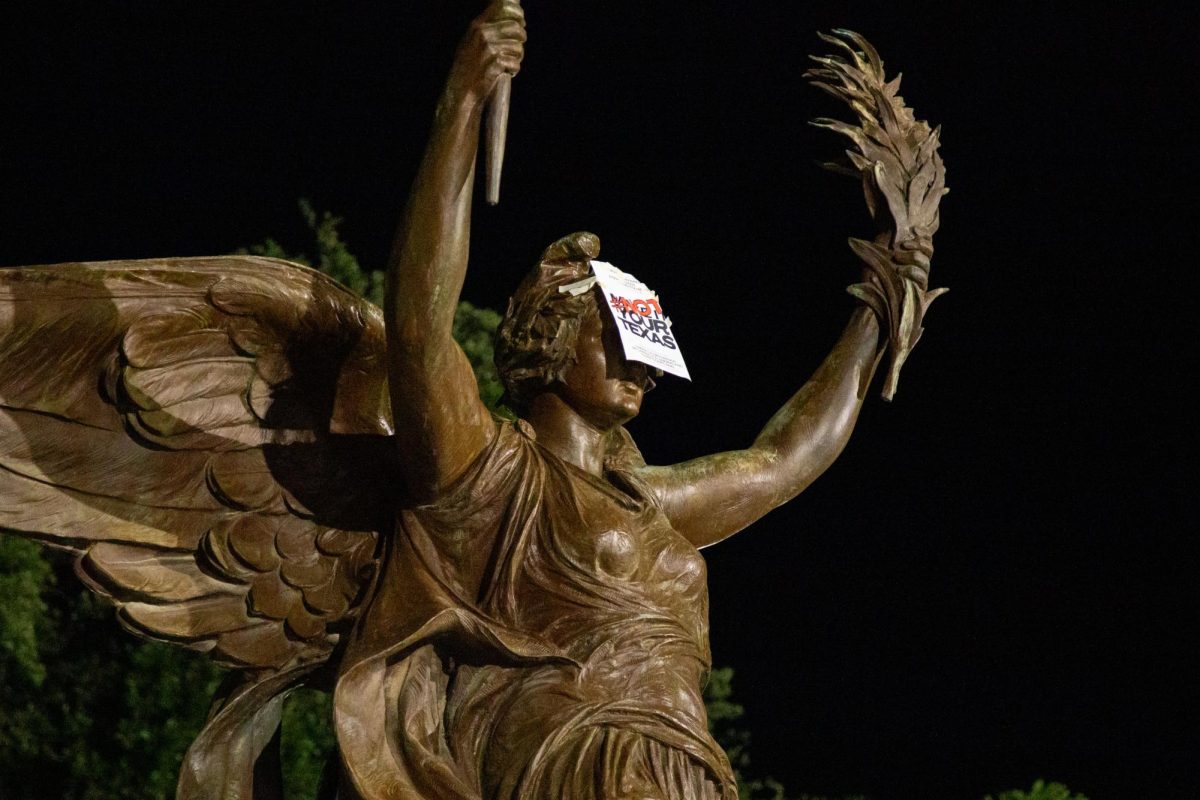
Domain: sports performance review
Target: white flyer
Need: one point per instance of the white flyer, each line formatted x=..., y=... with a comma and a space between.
x=645, y=329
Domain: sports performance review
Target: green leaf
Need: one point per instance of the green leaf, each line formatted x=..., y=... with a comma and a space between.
x=24, y=574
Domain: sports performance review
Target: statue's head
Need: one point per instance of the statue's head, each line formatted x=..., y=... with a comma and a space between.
x=558, y=341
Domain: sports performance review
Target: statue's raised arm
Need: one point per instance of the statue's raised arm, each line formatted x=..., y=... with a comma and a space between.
x=896, y=158
x=714, y=496
x=441, y=425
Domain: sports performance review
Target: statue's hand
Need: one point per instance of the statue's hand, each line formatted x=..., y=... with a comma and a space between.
x=493, y=46
x=895, y=286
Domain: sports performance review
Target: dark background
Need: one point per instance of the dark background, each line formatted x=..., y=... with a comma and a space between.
x=996, y=581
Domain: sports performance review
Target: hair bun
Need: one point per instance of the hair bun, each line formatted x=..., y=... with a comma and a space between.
x=579, y=246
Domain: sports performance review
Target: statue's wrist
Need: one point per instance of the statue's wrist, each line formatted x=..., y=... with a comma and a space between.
x=457, y=107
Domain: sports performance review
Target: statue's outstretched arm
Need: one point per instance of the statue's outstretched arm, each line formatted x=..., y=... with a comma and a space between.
x=896, y=157
x=441, y=424
x=712, y=497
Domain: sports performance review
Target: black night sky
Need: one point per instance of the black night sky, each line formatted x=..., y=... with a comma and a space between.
x=995, y=582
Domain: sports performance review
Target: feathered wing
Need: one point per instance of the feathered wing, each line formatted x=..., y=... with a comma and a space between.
x=211, y=437
x=896, y=156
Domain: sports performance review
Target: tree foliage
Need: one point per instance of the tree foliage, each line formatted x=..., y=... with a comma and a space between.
x=88, y=712
x=23, y=577
x=1040, y=791
x=331, y=255
x=724, y=717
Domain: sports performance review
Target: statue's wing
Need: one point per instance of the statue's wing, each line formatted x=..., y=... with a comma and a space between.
x=210, y=437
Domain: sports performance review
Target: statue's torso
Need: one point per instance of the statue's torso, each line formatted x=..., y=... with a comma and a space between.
x=604, y=578
x=612, y=583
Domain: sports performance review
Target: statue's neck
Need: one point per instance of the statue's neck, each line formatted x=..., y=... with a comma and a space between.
x=562, y=431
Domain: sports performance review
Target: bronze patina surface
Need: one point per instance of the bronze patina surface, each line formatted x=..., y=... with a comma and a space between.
x=250, y=461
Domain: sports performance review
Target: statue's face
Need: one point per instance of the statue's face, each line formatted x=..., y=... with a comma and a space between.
x=602, y=386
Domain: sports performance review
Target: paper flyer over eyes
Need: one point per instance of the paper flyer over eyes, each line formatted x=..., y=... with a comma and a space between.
x=645, y=329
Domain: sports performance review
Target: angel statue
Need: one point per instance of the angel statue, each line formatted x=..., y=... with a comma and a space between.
x=250, y=461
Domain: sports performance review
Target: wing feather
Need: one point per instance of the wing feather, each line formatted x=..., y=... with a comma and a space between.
x=155, y=576
x=269, y=597
x=153, y=388
x=250, y=647
x=188, y=334
x=75, y=520
x=190, y=620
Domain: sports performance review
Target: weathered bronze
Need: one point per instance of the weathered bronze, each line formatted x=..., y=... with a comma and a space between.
x=902, y=174
x=250, y=461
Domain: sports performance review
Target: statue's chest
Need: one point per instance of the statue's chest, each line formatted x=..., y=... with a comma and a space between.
x=604, y=572
x=620, y=537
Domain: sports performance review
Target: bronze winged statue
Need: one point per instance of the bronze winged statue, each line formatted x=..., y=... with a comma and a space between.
x=250, y=461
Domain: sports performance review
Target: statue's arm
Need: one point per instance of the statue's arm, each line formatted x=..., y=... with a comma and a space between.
x=715, y=496
x=441, y=424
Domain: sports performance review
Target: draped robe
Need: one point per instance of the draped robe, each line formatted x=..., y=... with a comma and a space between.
x=537, y=632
